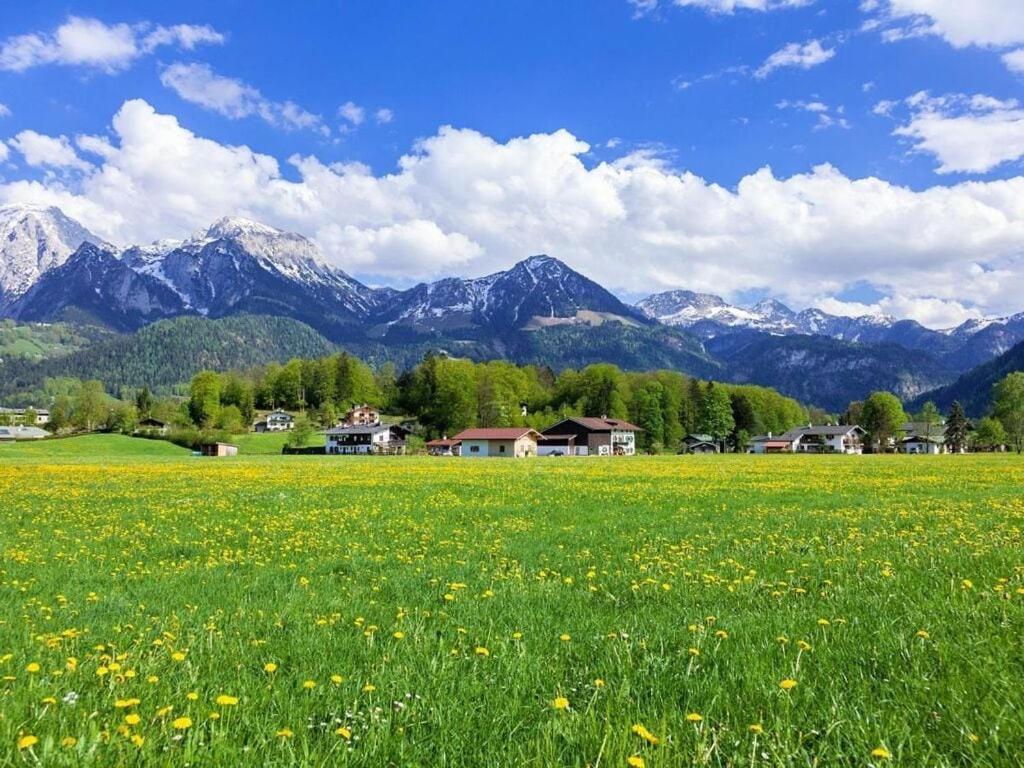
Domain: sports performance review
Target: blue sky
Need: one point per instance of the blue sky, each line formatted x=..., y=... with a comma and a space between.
x=896, y=119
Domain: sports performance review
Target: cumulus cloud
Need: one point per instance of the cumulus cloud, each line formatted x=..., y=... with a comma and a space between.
x=4, y=152
x=43, y=151
x=93, y=44
x=5, y=111
x=460, y=202
x=383, y=116
x=1014, y=60
x=720, y=6
x=965, y=134
x=996, y=24
x=352, y=112
x=798, y=55
x=234, y=99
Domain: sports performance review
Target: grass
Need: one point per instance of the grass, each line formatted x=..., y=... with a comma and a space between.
x=267, y=443
x=91, y=446
x=439, y=608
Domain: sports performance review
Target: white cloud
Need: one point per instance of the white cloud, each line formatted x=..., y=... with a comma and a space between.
x=461, y=202
x=721, y=6
x=44, y=151
x=1014, y=60
x=383, y=116
x=826, y=116
x=5, y=111
x=4, y=152
x=352, y=112
x=799, y=55
x=91, y=43
x=199, y=84
x=966, y=134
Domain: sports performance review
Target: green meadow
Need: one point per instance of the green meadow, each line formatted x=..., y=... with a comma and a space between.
x=161, y=609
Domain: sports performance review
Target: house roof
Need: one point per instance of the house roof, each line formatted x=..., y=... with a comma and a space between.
x=699, y=438
x=597, y=425
x=827, y=430
x=280, y=413
x=555, y=438
x=368, y=429
x=496, y=433
x=937, y=439
x=443, y=443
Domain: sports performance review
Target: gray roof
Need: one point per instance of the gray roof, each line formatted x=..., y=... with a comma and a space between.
x=369, y=429
x=828, y=430
x=938, y=439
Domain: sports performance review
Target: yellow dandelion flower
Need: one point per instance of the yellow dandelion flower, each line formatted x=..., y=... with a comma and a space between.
x=344, y=732
x=32, y=668
x=337, y=679
x=270, y=667
x=635, y=762
x=788, y=684
x=756, y=728
x=599, y=683
x=644, y=734
x=192, y=696
x=481, y=651
x=309, y=685
x=565, y=638
x=27, y=742
x=694, y=717
x=560, y=702
x=285, y=733
x=138, y=740
x=226, y=701
x=881, y=753
x=369, y=688
x=177, y=656
x=68, y=742
x=215, y=715
x=922, y=634
x=132, y=719
x=182, y=723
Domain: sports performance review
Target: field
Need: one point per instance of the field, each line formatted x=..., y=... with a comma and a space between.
x=167, y=610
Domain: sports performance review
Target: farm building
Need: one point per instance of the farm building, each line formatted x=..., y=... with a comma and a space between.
x=699, y=444
x=218, y=449
x=22, y=433
x=829, y=438
x=444, y=447
x=153, y=425
x=505, y=442
x=387, y=439
x=591, y=437
x=16, y=416
x=926, y=444
x=769, y=444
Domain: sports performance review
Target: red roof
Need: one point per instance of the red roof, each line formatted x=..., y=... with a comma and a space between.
x=442, y=443
x=601, y=425
x=496, y=433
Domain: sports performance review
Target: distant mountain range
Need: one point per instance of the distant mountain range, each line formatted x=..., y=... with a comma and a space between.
x=540, y=310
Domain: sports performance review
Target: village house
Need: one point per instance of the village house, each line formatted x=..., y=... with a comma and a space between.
x=362, y=416
x=444, y=447
x=505, y=442
x=16, y=416
x=699, y=444
x=841, y=438
x=153, y=425
x=383, y=439
x=588, y=436
x=926, y=444
x=22, y=433
x=276, y=421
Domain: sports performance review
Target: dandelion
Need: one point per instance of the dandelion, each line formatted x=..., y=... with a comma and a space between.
x=922, y=634
x=192, y=696
x=32, y=668
x=635, y=762
x=177, y=656
x=565, y=638
x=270, y=667
x=481, y=651
x=181, y=723
x=27, y=742
x=337, y=679
x=132, y=719
x=398, y=635
x=344, y=732
x=138, y=740
x=226, y=701
x=309, y=685
x=881, y=753
x=788, y=684
x=694, y=717
x=285, y=733
x=644, y=734
x=369, y=688
x=599, y=683
x=560, y=702
x=756, y=728
x=215, y=716
x=68, y=742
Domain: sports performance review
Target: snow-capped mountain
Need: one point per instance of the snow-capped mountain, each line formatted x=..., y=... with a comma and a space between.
x=34, y=239
x=537, y=292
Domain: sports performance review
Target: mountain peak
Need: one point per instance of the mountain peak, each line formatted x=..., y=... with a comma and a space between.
x=33, y=239
x=237, y=226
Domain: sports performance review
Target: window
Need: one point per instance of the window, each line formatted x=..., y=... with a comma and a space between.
x=501, y=449
x=474, y=449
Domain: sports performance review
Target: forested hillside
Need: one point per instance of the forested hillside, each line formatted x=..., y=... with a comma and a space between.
x=974, y=389
x=170, y=352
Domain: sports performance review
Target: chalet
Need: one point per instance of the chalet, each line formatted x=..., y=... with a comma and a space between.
x=588, y=436
x=153, y=425
x=444, y=447
x=926, y=444
x=276, y=421
x=506, y=442
x=22, y=433
x=218, y=449
x=16, y=416
x=699, y=444
x=831, y=438
x=383, y=439
x=362, y=416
